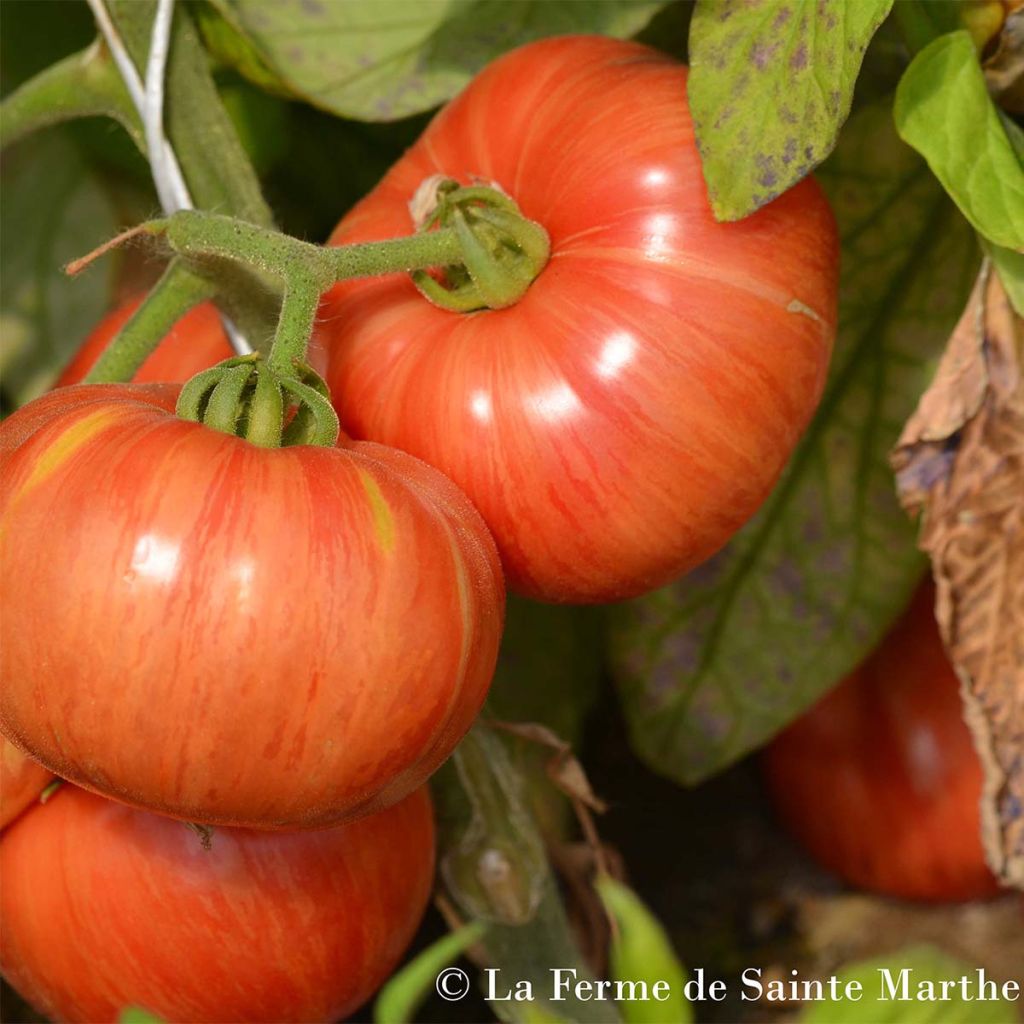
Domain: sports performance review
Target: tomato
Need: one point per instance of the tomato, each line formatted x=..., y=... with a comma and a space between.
x=231, y=634
x=623, y=419
x=880, y=780
x=21, y=781
x=105, y=907
x=195, y=343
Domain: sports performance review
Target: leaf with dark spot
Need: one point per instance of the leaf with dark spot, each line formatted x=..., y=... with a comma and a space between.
x=759, y=70
x=712, y=666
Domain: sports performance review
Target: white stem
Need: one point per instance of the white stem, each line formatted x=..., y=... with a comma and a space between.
x=167, y=176
x=171, y=188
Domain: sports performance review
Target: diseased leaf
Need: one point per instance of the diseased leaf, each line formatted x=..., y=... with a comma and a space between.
x=770, y=85
x=53, y=210
x=922, y=965
x=944, y=111
x=960, y=464
x=710, y=667
x=374, y=62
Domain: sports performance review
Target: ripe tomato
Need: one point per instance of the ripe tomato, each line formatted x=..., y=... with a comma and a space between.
x=622, y=420
x=21, y=781
x=233, y=634
x=105, y=907
x=195, y=343
x=880, y=780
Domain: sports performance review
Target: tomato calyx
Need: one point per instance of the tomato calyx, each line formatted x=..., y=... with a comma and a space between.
x=501, y=251
x=247, y=397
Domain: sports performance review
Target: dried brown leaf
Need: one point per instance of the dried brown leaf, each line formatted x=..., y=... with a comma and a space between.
x=960, y=465
x=1004, y=70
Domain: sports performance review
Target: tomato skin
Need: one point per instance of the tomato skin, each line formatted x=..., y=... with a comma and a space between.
x=195, y=343
x=21, y=781
x=269, y=638
x=880, y=780
x=618, y=424
x=105, y=907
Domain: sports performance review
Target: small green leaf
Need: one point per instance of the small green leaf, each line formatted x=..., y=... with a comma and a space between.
x=641, y=952
x=54, y=210
x=137, y=1015
x=944, y=111
x=380, y=62
x=923, y=970
x=770, y=85
x=710, y=667
x=405, y=990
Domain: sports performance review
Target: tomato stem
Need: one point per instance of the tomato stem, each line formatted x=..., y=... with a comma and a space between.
x=177, y=291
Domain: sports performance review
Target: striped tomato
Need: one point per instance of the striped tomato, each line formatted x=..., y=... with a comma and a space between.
x=634, y=408
x=233, y=634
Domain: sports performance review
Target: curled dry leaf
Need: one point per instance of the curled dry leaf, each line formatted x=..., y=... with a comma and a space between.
x=563, y=768
x=1004, y=70
x=960, y=464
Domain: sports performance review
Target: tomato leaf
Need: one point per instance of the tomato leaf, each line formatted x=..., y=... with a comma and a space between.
x=918, y=966
x=53, y=210
x=770, y=85
x=944, y=111
x=375, y=62
x=710, y=667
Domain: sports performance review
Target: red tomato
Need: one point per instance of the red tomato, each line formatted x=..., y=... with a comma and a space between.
x=880, y=780
x=618, y=424
x=231, y=634
x=21, y=781
x=195, y=343
x=106, y=907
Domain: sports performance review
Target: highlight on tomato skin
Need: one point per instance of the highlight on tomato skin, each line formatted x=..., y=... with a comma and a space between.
x=270, y=638
x=106, y=907
x=620, y=422
x=880, y=781
x=21, y=781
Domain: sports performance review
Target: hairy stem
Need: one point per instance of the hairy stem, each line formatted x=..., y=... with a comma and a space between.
x=177, y=291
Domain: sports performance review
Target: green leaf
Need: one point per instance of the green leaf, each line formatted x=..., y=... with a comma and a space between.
x=944, y=111
x=710, y=667
x=641, y=951
x=53, y=211
x=137, y=1015
x=770, y=85
x=399, y=999
x=926, y=969
x=380, y=62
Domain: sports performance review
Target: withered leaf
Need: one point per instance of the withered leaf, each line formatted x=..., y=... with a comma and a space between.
x=960, y=465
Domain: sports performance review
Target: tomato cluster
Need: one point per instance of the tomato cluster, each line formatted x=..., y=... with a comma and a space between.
x=283, y=639
x=880, y=780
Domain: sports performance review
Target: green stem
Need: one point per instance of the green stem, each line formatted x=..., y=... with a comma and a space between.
x=177, y=291
x=86, y=84
x=294, y=327
x=213, y=160
x=204, y=236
